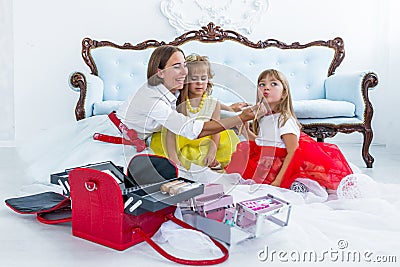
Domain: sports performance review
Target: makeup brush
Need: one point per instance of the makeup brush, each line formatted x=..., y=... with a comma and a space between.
x=255, y=117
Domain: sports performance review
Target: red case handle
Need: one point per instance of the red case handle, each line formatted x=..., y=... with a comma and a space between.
x=179, y=260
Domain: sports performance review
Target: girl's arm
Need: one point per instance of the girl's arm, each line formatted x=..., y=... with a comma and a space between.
x=210, y=159
x=292, y=144
x=171, y=147
x=250, y=135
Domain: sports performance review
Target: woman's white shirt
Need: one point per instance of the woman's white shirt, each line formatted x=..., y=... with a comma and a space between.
x=270, y=133
x=152, y=107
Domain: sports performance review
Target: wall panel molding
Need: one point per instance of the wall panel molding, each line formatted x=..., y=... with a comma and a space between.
x=241, y=16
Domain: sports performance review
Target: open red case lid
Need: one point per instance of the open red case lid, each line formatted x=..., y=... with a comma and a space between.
x=50, y=207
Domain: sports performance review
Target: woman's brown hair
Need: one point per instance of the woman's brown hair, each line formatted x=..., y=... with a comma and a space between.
x=158, y=60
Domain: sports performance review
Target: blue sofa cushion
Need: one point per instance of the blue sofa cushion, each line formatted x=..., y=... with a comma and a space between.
x=105, y=107
x=323, y=108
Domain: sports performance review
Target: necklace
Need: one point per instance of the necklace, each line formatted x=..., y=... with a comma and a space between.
x=196, y=110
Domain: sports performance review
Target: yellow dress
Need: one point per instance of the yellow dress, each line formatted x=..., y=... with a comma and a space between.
x=194, y=151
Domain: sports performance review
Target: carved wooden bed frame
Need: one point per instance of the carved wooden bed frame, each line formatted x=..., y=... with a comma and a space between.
x=212, y=33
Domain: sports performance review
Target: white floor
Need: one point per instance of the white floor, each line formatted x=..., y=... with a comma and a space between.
x=26, y=242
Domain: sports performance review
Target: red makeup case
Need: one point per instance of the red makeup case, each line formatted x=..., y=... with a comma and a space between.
x=106, y=212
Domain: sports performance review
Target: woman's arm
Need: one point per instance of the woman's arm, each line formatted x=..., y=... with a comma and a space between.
x=213, y=126
x=291, y=143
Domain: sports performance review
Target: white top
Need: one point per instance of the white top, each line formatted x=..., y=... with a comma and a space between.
x=152, y=107
x=270, y=134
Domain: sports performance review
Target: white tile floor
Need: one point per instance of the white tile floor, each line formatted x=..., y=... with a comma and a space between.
x=26, y=242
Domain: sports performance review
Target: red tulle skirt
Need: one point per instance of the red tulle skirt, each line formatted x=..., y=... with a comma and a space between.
x=321, y=162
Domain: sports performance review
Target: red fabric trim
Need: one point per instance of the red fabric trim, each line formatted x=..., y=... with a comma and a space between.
x=107, y=138
x=130, y=136
x=130, y=133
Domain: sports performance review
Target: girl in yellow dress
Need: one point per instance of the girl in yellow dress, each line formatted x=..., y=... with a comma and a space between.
x=196, y=102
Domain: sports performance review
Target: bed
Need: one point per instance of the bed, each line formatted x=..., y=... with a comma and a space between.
x=358, y=228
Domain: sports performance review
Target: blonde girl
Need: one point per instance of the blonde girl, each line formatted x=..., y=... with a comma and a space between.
x=277, y=152
x=196, y=102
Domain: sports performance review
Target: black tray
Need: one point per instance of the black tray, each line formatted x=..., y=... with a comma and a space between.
x=116, y=172
x=152, y=199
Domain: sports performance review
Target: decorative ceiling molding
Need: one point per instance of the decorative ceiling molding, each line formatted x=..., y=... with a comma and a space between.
x=186, y=15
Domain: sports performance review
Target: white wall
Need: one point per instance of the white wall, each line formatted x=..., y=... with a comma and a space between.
x=387, y=122
x=7, y=130
x=48, y=34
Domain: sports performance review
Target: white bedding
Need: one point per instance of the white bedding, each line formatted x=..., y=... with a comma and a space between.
x=367, y=226
x=72, y=145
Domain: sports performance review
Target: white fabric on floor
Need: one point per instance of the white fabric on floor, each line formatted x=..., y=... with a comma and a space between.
x=367, y=225
x=363, y=229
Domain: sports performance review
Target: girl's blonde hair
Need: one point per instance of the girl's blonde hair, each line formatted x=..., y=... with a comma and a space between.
x=194, y=62
x=285, y=106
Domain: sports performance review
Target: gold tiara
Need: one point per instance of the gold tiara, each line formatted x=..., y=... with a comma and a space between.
x=196, y=57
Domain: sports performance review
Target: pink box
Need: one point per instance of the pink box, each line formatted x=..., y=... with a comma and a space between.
x=251, y=213
x=213, y=202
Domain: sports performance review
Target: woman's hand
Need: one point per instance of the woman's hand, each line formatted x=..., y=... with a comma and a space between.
x=238, y=106
x=247, y=114
x=252, y=112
